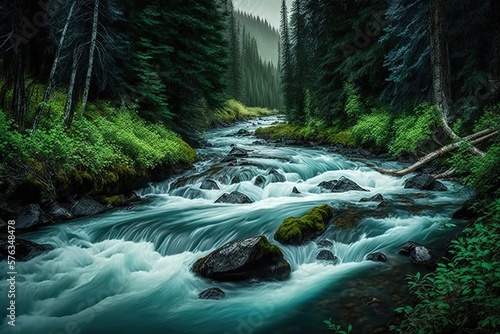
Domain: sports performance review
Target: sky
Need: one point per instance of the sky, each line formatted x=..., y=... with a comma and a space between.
x=266, y=9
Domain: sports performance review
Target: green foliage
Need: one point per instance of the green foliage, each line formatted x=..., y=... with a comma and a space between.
x=354, y=106
x=462, y=294
x=489, y=120
x=374, y=128
x=236, y=111
x=337, y=329
x=294, y=231
x=413, y=129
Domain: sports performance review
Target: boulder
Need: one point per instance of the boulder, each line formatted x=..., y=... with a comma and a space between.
x=424, y=182
x=324, y=243
x=344, y=185
x=87, y=207
x=328, y=185
x=234, y=198
x=249, y=258
x=408, y=247
x=275, y=176
x=377, y=198
x=30, y=216
x=243, y=133
x=377, y=257
x=212, y=293
x=209, y=184
x=295, y=231
x=421, y=255
x=238, y=152
x=260, y=181
x=326, y=255
x=58, y=212
x=25, y=249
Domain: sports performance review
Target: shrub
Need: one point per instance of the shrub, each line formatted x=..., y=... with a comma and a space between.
x=374, y=128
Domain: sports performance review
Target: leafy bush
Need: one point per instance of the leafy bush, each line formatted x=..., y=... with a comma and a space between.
x=461, y=296
x=411, y=130
x=373, y=128
x=354, y=107
x=236, y=111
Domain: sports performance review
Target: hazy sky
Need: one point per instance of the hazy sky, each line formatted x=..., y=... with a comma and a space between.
x=267, y=9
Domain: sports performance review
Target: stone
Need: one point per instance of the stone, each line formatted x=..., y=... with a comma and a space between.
x=326, y=255
x=30, y=216
x=377, y=257
x=295, y=190
x=245, y=259
x=377, y=198
x=328, y=185
x=209, y=184
x=408, y=247
x=424, y=182
x=275, y=176
x=25, y=249
x=212, y=293
x=87, y=207
x=421, y=255
x=324, y=243
x=344, y=185
x=58, y=212
x=260, y=181
x=234, y=198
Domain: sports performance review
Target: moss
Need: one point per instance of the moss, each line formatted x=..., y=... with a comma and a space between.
x=117, y=200
x=295, y=231
x=331, y=136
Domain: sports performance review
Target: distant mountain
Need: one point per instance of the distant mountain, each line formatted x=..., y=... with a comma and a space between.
x=268, y=10
x=267, y=37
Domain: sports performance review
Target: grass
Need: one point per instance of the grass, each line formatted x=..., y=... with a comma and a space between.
x=235, y=111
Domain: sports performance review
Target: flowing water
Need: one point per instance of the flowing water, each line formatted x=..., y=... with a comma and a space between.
x=128, y=270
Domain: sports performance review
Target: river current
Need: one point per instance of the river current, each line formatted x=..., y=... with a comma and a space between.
x=128, y=270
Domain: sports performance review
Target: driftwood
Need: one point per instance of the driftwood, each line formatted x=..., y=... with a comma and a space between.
x=472, y=139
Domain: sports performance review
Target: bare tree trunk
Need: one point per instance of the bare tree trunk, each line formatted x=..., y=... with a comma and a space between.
x=51, y=83
x=69, y=109
x=93, y=43
x=441, y=77
x=481, y=136
x=447, y=174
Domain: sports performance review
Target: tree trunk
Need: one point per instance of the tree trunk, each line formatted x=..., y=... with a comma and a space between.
x=481, y=136
x=19, y=92
x=69, y=109
x=91, y=56
x=495, y=16
x=51, y=83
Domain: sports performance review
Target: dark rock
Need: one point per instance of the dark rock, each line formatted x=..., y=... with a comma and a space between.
x=235, y=179
x=243, y=132
x=376, y=198
x=377, y=257
x=259, y=142
x=212, y=293
x=87, y=207
x=30, y=216
x=249, y=258
x=295, y=190
x=238, y=152
x=326, y=255
x=260, y=181
x=328, y=185
x=421, y=255
x=383, y=204
x=425, y=182
x=295, y=231
x=275, y=176
x=234, y=198
x=375, y=304
x=344, y=185
x=229, y=158
x=25, y=249
x=58, y=212
x=209, y=184
x=408, y=247
x=324, y=243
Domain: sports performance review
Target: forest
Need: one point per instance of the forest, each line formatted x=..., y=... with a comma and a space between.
x=141, y=141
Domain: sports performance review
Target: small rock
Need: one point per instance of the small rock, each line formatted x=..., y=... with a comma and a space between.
x=238, y=152
x=260, y=181
x=295, y=190
x=30, y=216
x=408, y=247
x=324, y=243
x=234, y=198
x=326, y=255
x=25, y=249
x=376, y=198
x=235, y=179
x=243, y=132
x=212, y=293
x=275, y=176
x=425, y=182
x=87, y=207
x=209, y=184
x=58, y=212
x=328, y=185
x=421, y=255
x=377, y=257
x=383, y=204
x=344, y=185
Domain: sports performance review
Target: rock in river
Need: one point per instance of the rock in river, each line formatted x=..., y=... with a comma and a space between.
x=234, y=198
x=326, y=255
x=25, y=249
x=425, y=182
x=344, y=185
x=212, y=293
x=249, y=258
x=209, y=184
x=377, y=198
x=87, y=207
x=377, y=257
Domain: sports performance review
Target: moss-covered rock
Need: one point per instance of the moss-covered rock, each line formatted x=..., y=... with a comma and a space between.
x=294, y=231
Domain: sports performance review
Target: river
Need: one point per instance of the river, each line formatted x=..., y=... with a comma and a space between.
x=128, y=270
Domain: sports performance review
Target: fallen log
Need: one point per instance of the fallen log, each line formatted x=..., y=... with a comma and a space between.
x=472, y=140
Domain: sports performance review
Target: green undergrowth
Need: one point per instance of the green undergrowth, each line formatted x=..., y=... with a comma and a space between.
x=461, y=296
x=106, y=146
x=235, y=111
x=294, y=231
